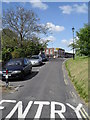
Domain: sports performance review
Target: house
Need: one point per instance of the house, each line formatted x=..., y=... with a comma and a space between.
x=54, y=52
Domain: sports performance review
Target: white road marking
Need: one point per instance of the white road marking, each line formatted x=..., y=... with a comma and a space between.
x=73, y=94
x=7, y=101
x=82, y=114
x=19, y=106
x=76, y=110
x=85, y=113
x=40, y=103
x=65, y=80
x=79, y=110
x=16, y=89
x=59, y=112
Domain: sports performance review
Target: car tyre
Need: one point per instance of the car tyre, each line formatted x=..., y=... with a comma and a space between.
x=22, y=76
x=30, y=71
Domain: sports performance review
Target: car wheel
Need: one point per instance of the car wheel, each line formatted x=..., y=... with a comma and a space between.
x=30, y=70
x=22, y=76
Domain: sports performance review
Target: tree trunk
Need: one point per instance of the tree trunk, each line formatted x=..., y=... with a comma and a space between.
x=21, y=39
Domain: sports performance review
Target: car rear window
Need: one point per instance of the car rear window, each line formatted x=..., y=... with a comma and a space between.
x=35, y=57
x=14, y=63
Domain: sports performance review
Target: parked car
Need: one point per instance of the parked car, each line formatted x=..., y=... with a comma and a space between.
x=36, y=60
x=17, y=68
x=44, y=58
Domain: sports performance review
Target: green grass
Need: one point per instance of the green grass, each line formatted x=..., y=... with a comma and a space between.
x=78, y=73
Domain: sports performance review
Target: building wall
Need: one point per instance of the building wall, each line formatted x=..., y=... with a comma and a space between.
x=55, y=52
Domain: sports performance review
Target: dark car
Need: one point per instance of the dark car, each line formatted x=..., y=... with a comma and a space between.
x=17, y=68
x=44, y=58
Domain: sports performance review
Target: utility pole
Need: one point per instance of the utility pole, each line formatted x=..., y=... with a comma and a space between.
x=73, y=42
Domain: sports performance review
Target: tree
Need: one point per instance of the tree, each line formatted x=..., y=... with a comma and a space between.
x=23, y=22
x=9, y=39
x=83, y=41
x=82, y=44
x=21, y=33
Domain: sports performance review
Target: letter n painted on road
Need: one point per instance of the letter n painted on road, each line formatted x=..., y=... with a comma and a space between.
x=19, y=106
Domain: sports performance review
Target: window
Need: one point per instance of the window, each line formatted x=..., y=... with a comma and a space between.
x=25, y=62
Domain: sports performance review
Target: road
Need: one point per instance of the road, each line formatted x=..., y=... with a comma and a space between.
x=49, y=84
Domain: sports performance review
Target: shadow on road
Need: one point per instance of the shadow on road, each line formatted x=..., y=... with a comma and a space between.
x=33, y=74
x=27, y=77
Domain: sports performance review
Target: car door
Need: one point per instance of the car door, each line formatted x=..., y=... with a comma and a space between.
x=29, y=64
x=25, y=65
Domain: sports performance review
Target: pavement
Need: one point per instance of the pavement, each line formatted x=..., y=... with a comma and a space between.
x=46, y=93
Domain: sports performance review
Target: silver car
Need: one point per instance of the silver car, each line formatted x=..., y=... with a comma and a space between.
x=36, y=60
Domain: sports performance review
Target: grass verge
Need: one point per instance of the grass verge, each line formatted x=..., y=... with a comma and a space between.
x=78, y=73
x=3, y=88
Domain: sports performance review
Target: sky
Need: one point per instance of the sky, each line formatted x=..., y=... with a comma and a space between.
x=59, y=16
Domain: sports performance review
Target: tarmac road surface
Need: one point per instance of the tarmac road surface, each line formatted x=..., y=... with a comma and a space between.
x=46, y=93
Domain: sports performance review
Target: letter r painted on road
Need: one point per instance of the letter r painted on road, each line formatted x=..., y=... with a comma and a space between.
x=59, y=112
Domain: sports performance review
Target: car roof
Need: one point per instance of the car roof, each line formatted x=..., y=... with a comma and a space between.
x=16, y=59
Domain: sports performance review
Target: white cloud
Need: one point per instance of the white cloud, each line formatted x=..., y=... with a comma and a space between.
x=35, y=3
x=81, y=8
x=66, y=9
x=78, y=8
x=66, y=42
x=38, y=4
x=50, y=38
x=55, y=28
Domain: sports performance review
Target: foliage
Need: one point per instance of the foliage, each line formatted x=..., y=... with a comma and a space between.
x=6, y=54
x=18, y=53
x=12, y=49
x=20, y=34
x=9, y=39
x=23, y=22
x=82, y=44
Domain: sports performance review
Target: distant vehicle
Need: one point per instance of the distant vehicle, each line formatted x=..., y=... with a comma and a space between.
x=44, y=58
x=36, y=60
x=17, y=68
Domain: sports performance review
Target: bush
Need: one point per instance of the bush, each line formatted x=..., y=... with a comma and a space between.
x=6, y=54
x=17, y=53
